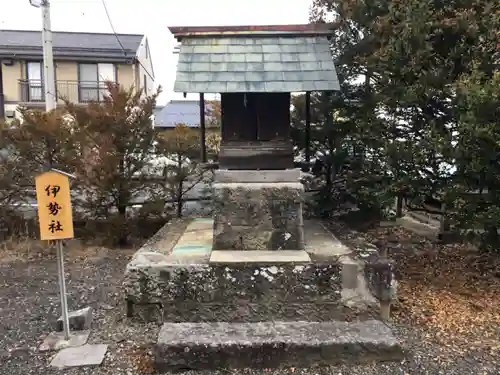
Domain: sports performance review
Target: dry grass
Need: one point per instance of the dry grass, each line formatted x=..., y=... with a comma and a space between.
x=27, y=249
x=23, y=249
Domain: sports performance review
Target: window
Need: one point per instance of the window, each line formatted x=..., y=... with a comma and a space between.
x=35, y=91
x=92, y=78
x=145, y=85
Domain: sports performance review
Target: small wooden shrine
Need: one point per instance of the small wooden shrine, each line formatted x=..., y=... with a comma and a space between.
x=257, y=193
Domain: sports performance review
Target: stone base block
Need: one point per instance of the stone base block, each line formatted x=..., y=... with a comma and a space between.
x=189, y=282
x=79, y=320
x=258, y=216
x=233, y=288
x=183, y=346
x=249, y=292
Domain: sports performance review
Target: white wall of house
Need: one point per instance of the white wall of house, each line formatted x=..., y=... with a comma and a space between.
x=145, y=69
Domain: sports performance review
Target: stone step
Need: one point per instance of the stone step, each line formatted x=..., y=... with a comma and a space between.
x=200, y=346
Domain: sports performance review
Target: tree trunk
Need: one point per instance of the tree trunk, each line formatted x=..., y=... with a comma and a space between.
x=445, y=222
x=50, y=151
x=122, y=208
x=179, y=198
x=399, y=205
x=491, y=238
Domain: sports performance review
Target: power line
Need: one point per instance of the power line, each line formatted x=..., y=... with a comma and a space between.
x=118, y=39
x=112, y=27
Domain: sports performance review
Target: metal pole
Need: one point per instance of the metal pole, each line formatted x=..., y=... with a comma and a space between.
x=2, y=97
x=203, y=147
x=62, y=288
x=48, y=59
x=307, y=140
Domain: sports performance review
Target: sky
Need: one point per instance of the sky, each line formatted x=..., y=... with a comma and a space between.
x=152, y=18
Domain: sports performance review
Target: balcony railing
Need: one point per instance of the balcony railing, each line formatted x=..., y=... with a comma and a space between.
x=32, y=91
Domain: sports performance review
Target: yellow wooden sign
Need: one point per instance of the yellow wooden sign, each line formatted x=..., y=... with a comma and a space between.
x=54, y=206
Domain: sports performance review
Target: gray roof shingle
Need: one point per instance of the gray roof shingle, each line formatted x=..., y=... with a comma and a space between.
x=255, y=64
x=179, y=112
x=69, y=44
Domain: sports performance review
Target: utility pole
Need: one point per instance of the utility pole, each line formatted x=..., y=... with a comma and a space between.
x=49, y=85
x=48, y=55
x=49, y=75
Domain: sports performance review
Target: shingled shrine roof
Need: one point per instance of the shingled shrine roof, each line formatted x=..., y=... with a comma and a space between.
x=291, y=58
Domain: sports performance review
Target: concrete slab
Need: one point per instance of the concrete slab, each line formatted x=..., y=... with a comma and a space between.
x=417, y=227
x=200, y=224
x=259, y=256
x=184, y=260
x=86, y=355
x=194, y=244
x=197, y=237
x=190, y=249
x=56, y=341
x=321, y=243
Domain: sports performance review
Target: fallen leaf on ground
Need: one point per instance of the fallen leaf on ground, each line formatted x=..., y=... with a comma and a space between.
x=449, y=290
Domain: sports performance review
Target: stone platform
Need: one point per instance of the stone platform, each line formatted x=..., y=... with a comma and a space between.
x=257, y=308
x=177, y=277
x=183, y=346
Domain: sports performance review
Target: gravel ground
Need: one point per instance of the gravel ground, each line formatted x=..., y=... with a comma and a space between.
x=29, y=306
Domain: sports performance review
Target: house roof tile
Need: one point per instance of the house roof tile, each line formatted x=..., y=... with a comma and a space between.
x=24, y=43
x=179, y=111
x=255, y=64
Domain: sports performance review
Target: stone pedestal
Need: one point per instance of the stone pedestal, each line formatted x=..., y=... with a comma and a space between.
x=258, y=210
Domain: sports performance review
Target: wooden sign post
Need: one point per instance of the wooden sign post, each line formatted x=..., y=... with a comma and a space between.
x=56, y=223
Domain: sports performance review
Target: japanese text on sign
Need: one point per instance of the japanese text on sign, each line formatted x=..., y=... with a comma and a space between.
x=54, y=206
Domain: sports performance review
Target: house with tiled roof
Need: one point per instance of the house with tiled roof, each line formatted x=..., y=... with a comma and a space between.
x=83, y=62
x=185, y=112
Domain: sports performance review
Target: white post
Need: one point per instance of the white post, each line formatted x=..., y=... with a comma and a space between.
x=48, y=58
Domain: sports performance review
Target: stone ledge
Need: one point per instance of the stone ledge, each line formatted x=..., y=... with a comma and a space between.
x=378, y=272
x=259, y=256
x=162, y=242
x=272, y=344
x=252, y=176
x=259, y=185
